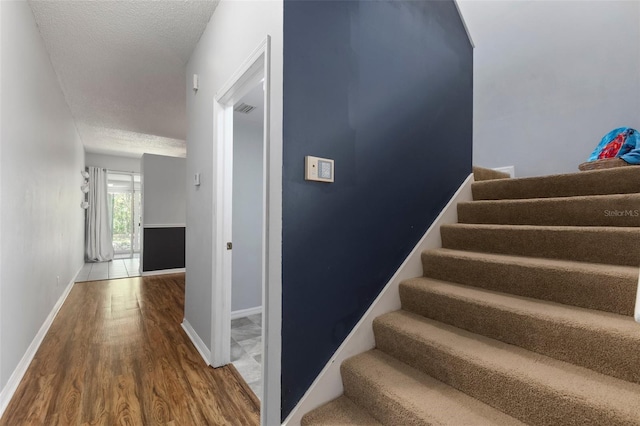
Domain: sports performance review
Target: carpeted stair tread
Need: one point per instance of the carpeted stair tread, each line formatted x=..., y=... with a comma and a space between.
x=612, y=181
x=397, y=394
x=604, y=342
x=341, y=411
x=597, y=244
x=592, y=210
x=482, y=174
x=610, y=288
x=525, y=313
x=531, y=387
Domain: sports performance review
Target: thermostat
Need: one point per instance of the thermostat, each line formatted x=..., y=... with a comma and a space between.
x=318, y=169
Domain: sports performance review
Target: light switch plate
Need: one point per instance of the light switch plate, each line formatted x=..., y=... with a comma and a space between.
x=319, y=169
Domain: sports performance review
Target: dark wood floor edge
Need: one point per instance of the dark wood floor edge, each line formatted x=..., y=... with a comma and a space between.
x=245, y=387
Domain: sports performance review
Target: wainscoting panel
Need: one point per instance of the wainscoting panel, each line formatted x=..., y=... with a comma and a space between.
x=164, y=248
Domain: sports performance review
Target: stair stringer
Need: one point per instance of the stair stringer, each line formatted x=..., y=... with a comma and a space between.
x=328, y=385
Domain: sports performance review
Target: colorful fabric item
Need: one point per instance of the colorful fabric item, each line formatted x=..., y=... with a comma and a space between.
x=623, y=142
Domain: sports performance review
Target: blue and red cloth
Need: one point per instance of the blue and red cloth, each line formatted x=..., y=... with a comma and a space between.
x=623, y=143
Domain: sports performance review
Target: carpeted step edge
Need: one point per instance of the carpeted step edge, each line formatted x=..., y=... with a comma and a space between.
x=397, y=394
x=533, y=388
x=613, y=181
x=341, y=411
x=609, y=288
x=612, y=245
x=593, y=210
x=603, y=342
x=484, y=174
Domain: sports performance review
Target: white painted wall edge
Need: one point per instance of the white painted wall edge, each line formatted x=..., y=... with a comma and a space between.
x=197, y=341
x=23, y=365
x=241, y=313
x=328, y=384
x=163, y=272
x=164, y=225
x=507, y=169
x=464, y=23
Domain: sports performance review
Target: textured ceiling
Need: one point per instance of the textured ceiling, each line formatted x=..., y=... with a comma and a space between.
x=121, y=65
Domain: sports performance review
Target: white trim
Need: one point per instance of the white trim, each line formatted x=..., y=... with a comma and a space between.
x=328, y=384
x=20, y=370
x=464, y=23
x=241, y=313
x=197, y=341
x=507, y=169
x=165, y=225
x=163, y=272
x=247, y=76
x=637, y=310
x=2, y=405
x=270, y=413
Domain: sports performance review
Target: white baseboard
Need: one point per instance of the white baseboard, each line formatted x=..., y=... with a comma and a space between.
x=507, y=169
x=16, y=377
x=636, y=314
x=240, y=313
x=328, y=384
x=163, y=272
x=204, y=352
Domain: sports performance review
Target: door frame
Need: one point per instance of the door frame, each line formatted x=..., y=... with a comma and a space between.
x=255, y=69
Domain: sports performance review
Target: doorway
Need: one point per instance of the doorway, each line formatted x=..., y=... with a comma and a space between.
x=124, y=205
x=253, y=73
x=247, y=237
x=124, y=198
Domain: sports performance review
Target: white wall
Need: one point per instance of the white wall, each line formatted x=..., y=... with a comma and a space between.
x=113, y=162
x=42, y=156
x=246, y=292
x=550, y=79
x=234, y=32
x=163, y=190
x=1, y=97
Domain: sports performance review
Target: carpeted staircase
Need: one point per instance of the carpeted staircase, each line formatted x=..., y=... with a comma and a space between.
x=523, y=317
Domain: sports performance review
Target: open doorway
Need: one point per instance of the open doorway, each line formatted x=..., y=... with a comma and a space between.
x=124, y=200
x=124, y=216
x=254, y=73
x=247, y=236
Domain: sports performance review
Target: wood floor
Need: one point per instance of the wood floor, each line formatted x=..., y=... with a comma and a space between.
x=117, y=355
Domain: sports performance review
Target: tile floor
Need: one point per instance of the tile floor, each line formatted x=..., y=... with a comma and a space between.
x=117, y=268
x=246, y=350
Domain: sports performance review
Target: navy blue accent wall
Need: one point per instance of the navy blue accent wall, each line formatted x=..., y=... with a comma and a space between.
x=385, y=89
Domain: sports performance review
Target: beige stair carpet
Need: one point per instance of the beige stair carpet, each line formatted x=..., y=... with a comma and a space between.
x=522, y=317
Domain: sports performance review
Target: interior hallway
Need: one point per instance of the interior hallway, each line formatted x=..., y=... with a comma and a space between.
x=116, y=354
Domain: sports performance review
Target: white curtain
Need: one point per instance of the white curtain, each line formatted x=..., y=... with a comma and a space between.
x=99, y=238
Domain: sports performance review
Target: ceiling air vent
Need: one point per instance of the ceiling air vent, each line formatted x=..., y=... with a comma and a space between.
x=244, y=108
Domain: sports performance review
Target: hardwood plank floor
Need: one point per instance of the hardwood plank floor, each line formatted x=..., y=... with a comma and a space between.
x=117, y=355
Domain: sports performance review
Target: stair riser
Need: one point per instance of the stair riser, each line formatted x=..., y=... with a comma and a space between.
x=612, y=246
x=341, y=411
x=596, y=349
x=625, y=180
x=533, y=403
x=617, y=210
x=367, y=395
x=606, y=292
